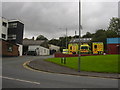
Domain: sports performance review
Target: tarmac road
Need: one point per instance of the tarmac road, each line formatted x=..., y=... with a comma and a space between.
x=14, y=75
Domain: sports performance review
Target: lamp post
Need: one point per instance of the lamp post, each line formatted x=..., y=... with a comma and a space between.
x=79, y=36
x=65, y=37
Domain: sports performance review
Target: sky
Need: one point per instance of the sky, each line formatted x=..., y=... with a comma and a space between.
x=52, y=18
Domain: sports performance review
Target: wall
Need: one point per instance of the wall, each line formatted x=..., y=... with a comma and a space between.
x=113, y=45
x=113, y=48
x=4, y=29
x=39, y=49
x=113, y=40
x=0, y=27
x=17, y=30
x=72, y=55
x=53, y=47
x=20, y=49
x=5, y=51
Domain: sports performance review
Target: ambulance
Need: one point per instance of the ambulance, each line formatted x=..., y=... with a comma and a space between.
x=73, y=48
x=85, y=49
x=65, y=51
x=97, y=47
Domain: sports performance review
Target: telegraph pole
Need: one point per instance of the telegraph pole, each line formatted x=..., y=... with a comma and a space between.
x=75, y=34
x=79, y=36
x=66, y=38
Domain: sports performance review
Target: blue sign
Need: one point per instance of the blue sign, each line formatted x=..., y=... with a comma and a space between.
x=113, y=40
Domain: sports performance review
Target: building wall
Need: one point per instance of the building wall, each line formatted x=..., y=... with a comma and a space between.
x=9, y=49
x=53, y=47
x=3, y=28
x=15, y=30
x=113, y=45
x=0, y=27
x=113, y=48
x=20, y=49
x=113, y=40
x=39, y=49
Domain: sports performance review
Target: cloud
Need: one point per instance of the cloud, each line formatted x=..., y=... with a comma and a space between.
x=52, y=18
x=96, y=15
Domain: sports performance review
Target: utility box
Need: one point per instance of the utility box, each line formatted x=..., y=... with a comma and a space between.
x=97, y=47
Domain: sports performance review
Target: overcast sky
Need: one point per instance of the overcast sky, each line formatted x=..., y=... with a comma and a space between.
x=52, y=18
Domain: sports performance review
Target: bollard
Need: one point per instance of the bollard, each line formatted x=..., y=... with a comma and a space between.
x=64, y=60
x=61, y=60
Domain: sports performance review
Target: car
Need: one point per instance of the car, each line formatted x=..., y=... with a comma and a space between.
x=33, y=53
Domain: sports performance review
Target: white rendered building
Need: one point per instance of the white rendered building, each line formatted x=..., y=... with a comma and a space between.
x=39, y=49
x=3, y=28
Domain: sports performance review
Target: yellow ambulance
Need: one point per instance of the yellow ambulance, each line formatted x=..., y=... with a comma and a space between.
x=97, y=47
x=85, y=49
x=73, y=48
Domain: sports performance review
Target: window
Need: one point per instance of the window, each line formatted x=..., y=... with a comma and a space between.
x=44, y=50
x=70, y=47
x=10, y=48
x=3, y=36
x=13, y=25
x=4, y=24
x=84, y=47
x=10, y=37
x=95, y=46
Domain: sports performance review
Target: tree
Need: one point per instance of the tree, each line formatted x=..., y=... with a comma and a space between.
x=54, y=42
x=114, y=24
x=25, y=39
x=100, y=36
x=88, y=35
x=41, y=37
x=32, y=38
x=111, y=34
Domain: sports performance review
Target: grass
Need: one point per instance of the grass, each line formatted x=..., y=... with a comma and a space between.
x=101, y=63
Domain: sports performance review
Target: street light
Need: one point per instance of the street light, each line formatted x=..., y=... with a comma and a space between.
x=79, y=36
x=65, y=36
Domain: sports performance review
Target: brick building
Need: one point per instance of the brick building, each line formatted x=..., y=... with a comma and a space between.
x=113, y=45
x=9, y=49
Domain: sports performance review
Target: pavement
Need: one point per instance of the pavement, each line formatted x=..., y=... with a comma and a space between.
x=45, y=66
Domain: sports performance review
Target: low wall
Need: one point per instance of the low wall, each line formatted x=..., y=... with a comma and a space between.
x=72, y=55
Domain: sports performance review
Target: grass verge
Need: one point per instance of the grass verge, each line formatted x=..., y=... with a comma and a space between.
x=101, y=63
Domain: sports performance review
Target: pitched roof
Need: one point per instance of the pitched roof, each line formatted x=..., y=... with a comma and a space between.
x=33, y=42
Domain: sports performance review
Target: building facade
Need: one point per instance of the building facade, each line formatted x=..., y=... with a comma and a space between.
x=9, y=49
x=15, y=34
x=15, y=31
x=113, y=45
x=3, y=28
x=35, y=45
x=11, y=37
x=39, y=49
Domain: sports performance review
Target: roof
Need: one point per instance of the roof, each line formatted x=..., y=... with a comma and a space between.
x=51, y=45
x=82, y=40
x=32, y=42
x=15, y=20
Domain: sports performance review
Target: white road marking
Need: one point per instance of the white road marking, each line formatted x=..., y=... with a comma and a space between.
x=19, y=80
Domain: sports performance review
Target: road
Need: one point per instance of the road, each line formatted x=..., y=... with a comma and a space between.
x=14, y=75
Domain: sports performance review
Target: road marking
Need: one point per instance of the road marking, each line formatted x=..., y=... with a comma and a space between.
x=29, y=68
x=19, y=80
